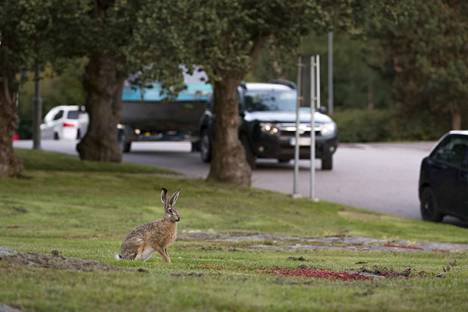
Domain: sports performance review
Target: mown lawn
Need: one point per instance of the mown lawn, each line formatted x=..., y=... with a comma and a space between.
x=85, y=209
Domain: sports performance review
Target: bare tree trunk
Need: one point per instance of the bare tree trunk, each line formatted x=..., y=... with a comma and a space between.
x=228, y=162
x=10, y=165
x=456, y=119
x=103, y=85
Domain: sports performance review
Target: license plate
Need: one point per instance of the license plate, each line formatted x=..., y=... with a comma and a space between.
x=302, y=141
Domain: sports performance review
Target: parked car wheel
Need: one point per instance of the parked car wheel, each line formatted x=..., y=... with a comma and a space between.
x=284, y=160
x=56, y=136
x=327, y=161
x=429, y=209
x=205, y=147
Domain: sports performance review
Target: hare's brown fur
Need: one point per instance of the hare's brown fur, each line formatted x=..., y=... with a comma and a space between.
x=152, y=237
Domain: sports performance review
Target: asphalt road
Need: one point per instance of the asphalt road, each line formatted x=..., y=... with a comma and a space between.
x=378, y=177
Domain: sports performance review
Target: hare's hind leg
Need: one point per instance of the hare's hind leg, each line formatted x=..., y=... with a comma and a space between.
x=164, y=255
x=140, y=253
x=147, y=253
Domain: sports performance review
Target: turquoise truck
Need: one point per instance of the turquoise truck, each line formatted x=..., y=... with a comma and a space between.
x=150, y=115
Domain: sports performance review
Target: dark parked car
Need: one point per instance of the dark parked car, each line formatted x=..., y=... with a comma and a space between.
x=268, y=126
x=443, y=181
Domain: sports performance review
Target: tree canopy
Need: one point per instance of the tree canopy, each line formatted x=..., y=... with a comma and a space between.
x=425, y=47
x=228, y=38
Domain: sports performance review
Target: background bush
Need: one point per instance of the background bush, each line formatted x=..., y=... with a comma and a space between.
x=388, y=125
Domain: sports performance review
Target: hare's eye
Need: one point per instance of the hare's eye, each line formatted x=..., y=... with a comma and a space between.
x=169, y=210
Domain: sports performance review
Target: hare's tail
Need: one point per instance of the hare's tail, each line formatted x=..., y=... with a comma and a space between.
x=118, y=257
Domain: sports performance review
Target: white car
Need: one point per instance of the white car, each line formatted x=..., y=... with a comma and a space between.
x=64, y=122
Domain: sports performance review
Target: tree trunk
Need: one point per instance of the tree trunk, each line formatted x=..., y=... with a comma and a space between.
x=10, y=165
x=456, y=119
x=228, y=162
x=103, y=85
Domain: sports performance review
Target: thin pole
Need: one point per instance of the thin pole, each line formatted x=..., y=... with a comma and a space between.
x=317, y=81
x=37, y=109
x=296, y=146
x=330, y=73
x=312, y=126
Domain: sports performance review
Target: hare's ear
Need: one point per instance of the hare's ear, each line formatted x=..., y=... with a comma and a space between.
x=174, y=198
x=163, y=195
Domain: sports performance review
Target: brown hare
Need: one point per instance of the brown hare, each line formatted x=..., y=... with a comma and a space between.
x=144, y=240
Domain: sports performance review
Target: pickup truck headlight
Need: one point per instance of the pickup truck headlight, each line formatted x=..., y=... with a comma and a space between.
x=269, y=128
x=328, y=129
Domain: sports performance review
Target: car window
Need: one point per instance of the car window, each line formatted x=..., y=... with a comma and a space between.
x=73, y=114
x=58, y=115
x=270, y=100
x=453, y=151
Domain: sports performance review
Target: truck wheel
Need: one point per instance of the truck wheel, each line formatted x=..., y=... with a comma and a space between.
x=126, y=146
x=327, y=161
x=124, y=142
x=205, y=147
x=195, y=146
x=284, y=160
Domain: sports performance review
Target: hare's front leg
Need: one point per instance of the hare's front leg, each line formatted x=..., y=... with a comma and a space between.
x=167, y=255
x=164, y=255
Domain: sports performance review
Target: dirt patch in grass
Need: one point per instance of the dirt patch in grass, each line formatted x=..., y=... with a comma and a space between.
x=54, y=261
x=187, y=274
x=320, y=273
x=267, y=241
x=388, y=272
x=362, y=274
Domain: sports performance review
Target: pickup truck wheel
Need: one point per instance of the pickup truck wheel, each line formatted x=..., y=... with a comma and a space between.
x=195, y=146
x=327, y=161
x=429, y=209
x=205, y=147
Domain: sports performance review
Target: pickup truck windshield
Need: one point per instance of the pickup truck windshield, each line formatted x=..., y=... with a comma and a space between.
x=270, y=100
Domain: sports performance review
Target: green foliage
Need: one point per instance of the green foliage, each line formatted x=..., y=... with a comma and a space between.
x=29, y=32
x=63, y=88
x=356, y=83
x=388, y=125
x=144, y=37
x=364, y=125
x=425, y=47
x=229, y=35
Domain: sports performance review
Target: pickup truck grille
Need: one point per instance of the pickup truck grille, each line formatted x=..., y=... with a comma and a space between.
x=289, y=130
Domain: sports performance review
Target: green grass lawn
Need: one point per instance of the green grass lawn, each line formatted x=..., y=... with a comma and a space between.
x=85, y=209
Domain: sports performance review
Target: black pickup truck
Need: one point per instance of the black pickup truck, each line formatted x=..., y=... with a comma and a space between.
x=269, y=124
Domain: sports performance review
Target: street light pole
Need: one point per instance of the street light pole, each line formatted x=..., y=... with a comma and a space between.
x=300, y=68
x=330, y=73
x=37, y=109
x=314, y=104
